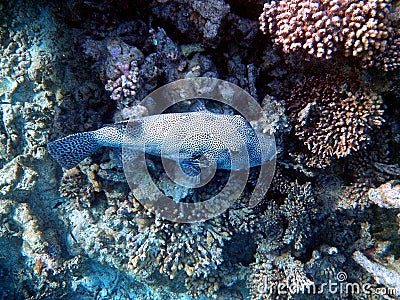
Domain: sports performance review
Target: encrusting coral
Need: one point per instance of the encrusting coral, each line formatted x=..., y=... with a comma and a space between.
x=321, y=28
x=333, y=116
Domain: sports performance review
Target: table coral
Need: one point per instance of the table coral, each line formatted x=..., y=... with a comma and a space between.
x=333, y=116
x=322, y=28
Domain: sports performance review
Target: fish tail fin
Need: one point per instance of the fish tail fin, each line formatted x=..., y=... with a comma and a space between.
x=72, y=149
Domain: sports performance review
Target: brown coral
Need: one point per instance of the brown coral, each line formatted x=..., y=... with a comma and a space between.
x=297, y=25
x=366, y=169
x=365, y=28
x=321, y=28
x=333, y=116
x=390, y=60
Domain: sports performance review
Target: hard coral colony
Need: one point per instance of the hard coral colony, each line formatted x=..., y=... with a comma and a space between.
x=326, y=74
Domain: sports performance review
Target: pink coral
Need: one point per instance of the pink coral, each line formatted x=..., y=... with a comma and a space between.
x=126, y=84
x=122, y=71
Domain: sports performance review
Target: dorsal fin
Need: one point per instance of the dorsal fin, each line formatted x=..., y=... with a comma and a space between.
x=120, y=124
x=132, y=128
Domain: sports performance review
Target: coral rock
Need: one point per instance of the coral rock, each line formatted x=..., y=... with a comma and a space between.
x=387, y=195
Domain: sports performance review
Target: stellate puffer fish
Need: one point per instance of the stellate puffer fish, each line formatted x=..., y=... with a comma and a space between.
x=194, y=139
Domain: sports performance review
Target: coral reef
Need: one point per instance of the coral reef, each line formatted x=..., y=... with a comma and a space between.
x=360, y=29
x=195, y=249
x=333, y=116
x=131, y=239
x=332, y=207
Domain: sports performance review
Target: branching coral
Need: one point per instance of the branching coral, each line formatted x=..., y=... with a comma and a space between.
x=333, y=116
x=365, y=28
x=195, y=249
x=74, y=185
x=365, y=170
x=299, y=208
x=321, y=28
x=390, y=59
x=279, y=225
x=204, y=243
x=128, y=237
x=122, y=71
x=124, y=86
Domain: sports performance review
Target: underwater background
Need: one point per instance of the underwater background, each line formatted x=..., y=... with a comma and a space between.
x=327, y=75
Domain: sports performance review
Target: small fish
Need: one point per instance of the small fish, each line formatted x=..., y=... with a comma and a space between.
x=194, y=139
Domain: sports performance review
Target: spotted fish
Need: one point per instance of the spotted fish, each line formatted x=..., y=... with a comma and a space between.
x=194, y=139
